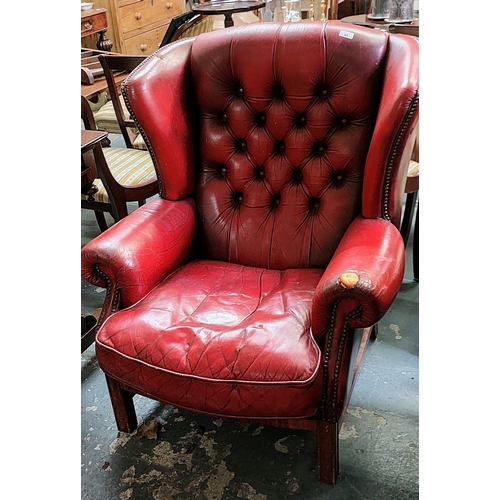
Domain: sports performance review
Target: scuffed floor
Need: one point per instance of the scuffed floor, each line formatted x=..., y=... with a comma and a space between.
x=178, y=455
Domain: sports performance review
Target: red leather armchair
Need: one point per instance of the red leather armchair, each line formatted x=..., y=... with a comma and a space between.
x=250, y=287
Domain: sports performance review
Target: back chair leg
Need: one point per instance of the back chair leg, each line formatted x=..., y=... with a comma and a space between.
x=415, y=249
x=328, y=452
x=101, y=221
x=123, y=406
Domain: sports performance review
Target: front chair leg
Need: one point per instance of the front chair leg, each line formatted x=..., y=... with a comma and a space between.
x=123, y=406
x=328, y=452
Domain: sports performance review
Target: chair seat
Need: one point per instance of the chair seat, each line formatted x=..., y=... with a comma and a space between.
x=130, y=167
x=105, y=119
x=412, y=179
x=223, y=339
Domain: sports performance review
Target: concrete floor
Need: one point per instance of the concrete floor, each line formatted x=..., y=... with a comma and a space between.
x=180, y=455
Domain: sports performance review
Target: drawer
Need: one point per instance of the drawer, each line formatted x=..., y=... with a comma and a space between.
x=94, y=23
x=122, y=3
x=148, y=14
x=145, y=43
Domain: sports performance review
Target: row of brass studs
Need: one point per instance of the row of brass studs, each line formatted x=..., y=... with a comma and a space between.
x=395, y=150
x=329, y=343
x=338, y=362
x=116, y=296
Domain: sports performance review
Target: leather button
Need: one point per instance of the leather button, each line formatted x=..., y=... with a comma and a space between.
x=278, y=91
x=238, y=197
x=240, y=145
x=240, y=91
x=313, y=204
x=279, y=146
x=300, y=120
x=297, y=175
x=224, y=117
x=324, y=93
x=223, y=171
x=319, y=149
x=344, y=121
x=275, y=200
x=260, y=172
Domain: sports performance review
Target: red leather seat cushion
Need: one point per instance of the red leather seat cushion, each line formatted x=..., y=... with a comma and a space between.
x=221, y=338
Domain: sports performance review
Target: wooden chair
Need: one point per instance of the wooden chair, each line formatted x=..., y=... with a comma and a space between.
x=114, y=117
x=411, y=191
x=186, y=25
x=123, y=175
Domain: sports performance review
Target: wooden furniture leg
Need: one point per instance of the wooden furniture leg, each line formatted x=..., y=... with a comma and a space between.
x=123, y=406
x=328, y=451
x=101, y=221
x=411, y=199
x=415, y=249
x=104, y=43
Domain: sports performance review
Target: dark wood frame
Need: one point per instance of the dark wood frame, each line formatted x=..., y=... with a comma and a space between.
x=118, y=195
x=113, y=65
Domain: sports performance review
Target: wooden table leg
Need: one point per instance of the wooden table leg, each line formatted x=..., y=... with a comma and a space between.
x=104, y=43
x=228, y=20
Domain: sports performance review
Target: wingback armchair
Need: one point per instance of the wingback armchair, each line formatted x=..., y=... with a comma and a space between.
x=249, y=289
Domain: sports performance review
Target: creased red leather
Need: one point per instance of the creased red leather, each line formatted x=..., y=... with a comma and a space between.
x=217, y=336
x=284, y=147
x=141, y=250
x=373, y=249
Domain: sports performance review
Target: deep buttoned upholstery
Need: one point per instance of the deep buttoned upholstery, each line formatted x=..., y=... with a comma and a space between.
x=249, y=287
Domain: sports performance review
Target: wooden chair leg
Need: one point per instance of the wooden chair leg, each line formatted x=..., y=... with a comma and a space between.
x=101, y=221
x=415, y=249
x=328, y=452
x=123, y=406
x=409, y=210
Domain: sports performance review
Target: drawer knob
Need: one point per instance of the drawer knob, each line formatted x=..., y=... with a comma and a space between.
x=144, y=47
x=138, y=15
x=88, y=25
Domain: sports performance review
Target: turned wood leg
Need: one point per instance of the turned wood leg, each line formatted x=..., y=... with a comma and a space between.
x=328, y=452
x=104, y=43
x=415, y=249
x=101, y=221
x=411, y=199
x=123, y=406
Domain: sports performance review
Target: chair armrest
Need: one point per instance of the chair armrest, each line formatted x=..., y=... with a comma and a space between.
x=139, y=251
x=365, y=272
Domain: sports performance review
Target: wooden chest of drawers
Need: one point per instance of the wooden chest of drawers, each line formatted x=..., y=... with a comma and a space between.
x=137, y=26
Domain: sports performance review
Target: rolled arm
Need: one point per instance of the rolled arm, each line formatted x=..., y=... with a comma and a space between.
x=365, y=274
x=139, y=251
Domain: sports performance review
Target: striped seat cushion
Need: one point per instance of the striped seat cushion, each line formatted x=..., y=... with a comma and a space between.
x=130, y=167
x=105, y=119
x=413, y=168
x=204, y=26
x=139, y=143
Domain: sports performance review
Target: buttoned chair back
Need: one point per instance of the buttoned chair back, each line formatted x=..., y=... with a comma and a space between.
x=274, y=143
x=249, y=288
